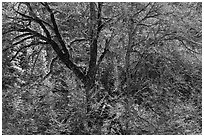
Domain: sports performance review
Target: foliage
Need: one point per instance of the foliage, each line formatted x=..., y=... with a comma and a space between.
x=101, y=68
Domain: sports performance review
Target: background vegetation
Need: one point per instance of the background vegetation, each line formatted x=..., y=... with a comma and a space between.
x=101, y=68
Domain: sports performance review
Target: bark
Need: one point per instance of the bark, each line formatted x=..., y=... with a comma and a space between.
x=95, y=28
x=127, y=66
x=116, y=75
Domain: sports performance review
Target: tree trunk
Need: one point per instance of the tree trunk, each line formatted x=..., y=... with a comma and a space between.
x=127, y=66
x=95, y=28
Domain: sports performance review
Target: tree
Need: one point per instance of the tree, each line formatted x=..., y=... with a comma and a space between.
x=144, y=54
x=48, y=32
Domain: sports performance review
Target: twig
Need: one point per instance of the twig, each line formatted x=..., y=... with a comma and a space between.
x=38, y=53
x=51, y=68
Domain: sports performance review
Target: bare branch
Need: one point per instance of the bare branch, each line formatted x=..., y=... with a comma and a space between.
x=38, y=53
x=100, y=26
x=183, y=40
x=18, y=18
x=60, y=49
x=34, y=33
x=50, y=68
x=44, y=29
x=95, y=22
x=106, y=49
x=141, y=10
x=77, y=40
x=36, y=19
x=22, y=35
x=27, y=46
x=50, y=41
x=56, y=30
x=23, y=40
x=10, y=27
x=148, y=15
x=188, y=47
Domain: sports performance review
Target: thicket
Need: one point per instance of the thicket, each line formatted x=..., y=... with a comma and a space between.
x=55, y=83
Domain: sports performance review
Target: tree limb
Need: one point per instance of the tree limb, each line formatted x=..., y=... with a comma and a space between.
x=77, y=40
x=36, y=19
x=50, y=68
x=27, y=46
x=94, y=34
x=100, y=26
x=106, y=49
x=182, y=39
x=188, y=47
x=141, y=10
x=23, y=40
x=22, y=35
x=62, y=51
x=38, y=53
x=56, y=30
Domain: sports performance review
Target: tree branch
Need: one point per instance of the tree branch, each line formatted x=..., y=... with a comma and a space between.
x=100, y=26
x=27, y=46
x=188, y=47
x=63, y=54
x=38, y=53
x=56, y=30
x=33, y=33
x=94, y=34
x=106, y=49
x=50, y=68
x=149, y=16
x=182, y=39
x=141, y=10
x=77, y=40
x=23, y=40
x=36, y=19
x=62, y=51
x=22, y=35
